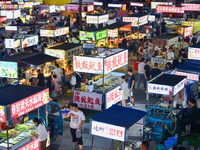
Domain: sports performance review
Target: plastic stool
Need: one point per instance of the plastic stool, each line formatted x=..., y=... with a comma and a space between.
x=185, y=144
x=160, y=147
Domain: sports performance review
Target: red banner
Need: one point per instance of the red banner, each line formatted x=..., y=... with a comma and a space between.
x=3, y=19
x=191, y=7
x=169, y=9
x=28, y=104
x=33, y=145
x=74, y=8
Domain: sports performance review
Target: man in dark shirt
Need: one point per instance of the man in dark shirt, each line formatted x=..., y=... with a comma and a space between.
x=182, y=57
x=147, y=71
x=131, y=86
x=163, y=29
x=40, y=79
x=155, y=71
x=190, y=117
x=194, y=39
x=124, y=43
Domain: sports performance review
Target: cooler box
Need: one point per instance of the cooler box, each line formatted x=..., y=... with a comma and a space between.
x=89, y=88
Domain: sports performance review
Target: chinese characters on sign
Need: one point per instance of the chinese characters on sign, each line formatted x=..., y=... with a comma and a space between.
x=8, y=69
x=159, y=89
x=193, y=53
x=33, y=145
x=3, y=19
x=188, y=23
x=28, y=104
x=113, y=97
x=74, y=8
x=190, y=76
x=88, y=100
x=169, y=9
x=30, y=41
x=137, y=4
x=179, y=86
x=101, y=34
x=113, y=33
x=90, y=8
x=54, y=33
x=88, y=64
x=103, y=18
x=108, y=131
x=191, y=7
x=56, y=53
x=116, y=61
x=155, y=4
x=12, y=28
x=92, y=19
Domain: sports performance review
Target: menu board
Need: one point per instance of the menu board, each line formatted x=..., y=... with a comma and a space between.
x=101, y=35
x=56, y=53
x=8, y=69
x=193, y=53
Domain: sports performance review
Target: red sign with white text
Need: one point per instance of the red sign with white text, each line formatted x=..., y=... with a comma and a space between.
x=116, y=61
x=121, y=14
x=90, y=8
x=190, y=76
x=191, y=7
x=88, y=100
x=74, y=8
x=28, y=104
x=5, y=2
x=169, y=9
x=3, y=19
x=113, y=97
x=2, y=114
x=188, y=31
x=33, y=145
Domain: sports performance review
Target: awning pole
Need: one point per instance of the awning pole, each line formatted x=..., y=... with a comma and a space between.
x=92, y=142
x=7, y=135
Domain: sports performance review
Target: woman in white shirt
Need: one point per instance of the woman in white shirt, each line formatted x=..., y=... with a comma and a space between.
x=124, y=88
x=42, y=133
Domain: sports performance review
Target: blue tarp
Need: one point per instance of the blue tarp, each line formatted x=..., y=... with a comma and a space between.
x=120, y=116
x=11, y=94
x=192, y=65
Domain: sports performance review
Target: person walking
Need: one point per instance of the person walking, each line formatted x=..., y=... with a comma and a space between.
x=141, y=73
x=42, y=133
x=73, y=81
x=76, y=123
x=131, y=86
x=58, y=71
x=124, y=88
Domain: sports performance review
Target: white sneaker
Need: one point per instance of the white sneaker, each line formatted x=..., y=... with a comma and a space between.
x=129, y=103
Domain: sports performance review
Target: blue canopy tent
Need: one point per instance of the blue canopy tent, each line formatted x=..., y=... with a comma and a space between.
x=115, y=120
x=190, y=67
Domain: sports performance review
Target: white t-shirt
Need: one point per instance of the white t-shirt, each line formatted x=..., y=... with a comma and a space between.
x=76, y=119
x=42, y=132
x=170, y=55
x=58, y=72
x=141, y=67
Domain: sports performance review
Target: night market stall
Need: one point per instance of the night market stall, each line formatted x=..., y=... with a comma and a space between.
x=16, y=101
x=11, y=14
x=137, y=23
x=192, y=23
x=115, y=33
x=114, y=123
x=53, y=31
x=65, y=52
x=102, y=80
x=20, y=68
x=170, y=106
x=97, y=19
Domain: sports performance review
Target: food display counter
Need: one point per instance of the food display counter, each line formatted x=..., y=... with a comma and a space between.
x=18, y=132
x=100, y=91
x=166, y=40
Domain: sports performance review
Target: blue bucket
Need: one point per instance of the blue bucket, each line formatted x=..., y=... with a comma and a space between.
x=168, y=144
x=174, y=139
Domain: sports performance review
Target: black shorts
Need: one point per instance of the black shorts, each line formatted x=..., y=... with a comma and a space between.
x=74, y=139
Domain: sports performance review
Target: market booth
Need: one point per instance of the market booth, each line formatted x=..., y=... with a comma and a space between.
x=102, y=81
x=97, y=18
x=18, y=67
x=137, y=22
x=114, y=122
x=10, y=14
x=116, y=31
x=192, y=23
x=171, y=105
x=65, y=52
x=16, y=101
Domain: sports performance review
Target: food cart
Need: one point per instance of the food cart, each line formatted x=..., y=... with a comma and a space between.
x=17, y=67
x=116, y=31
x=65, y=52
x=95, y=36
x=137, y=22
x=114, y=122
x=174, y=99
x=17, y=101
x=102, y=88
